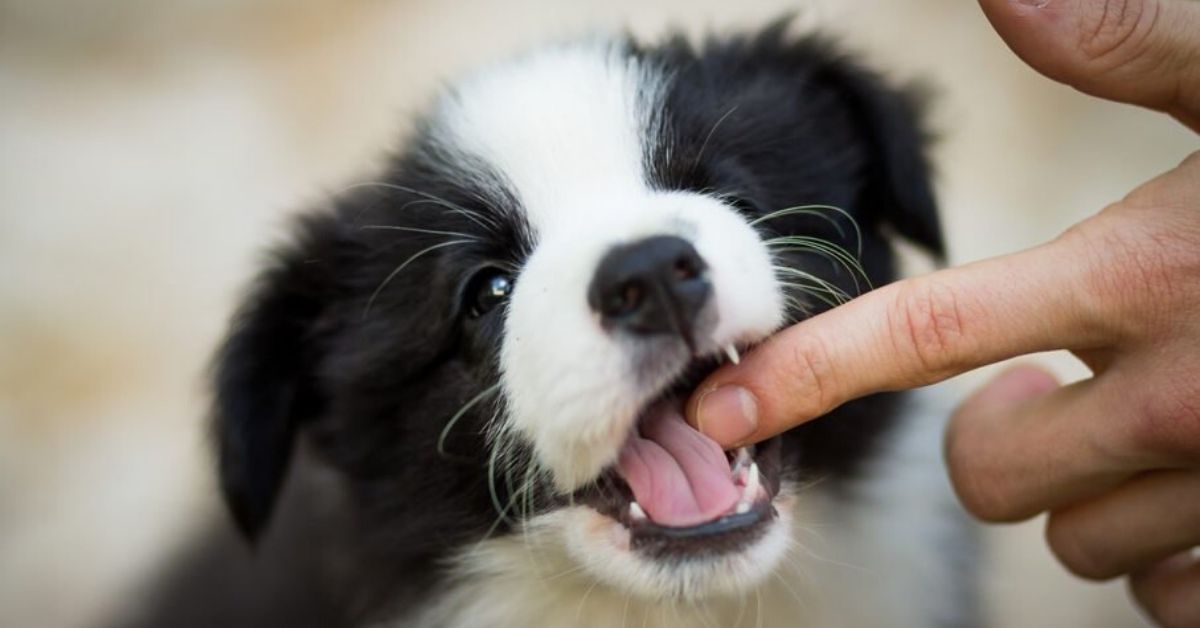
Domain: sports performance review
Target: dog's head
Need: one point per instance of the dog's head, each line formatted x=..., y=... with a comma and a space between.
x=497, y=334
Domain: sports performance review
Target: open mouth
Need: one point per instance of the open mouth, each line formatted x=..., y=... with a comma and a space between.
x=677, y=492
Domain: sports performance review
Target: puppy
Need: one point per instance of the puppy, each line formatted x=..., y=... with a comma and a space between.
x=481, y=357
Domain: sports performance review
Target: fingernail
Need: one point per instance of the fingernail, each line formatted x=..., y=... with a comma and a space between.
x=727, y=414
x=1035, y=3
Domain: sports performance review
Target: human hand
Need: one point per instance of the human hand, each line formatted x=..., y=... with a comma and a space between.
x=1114, y=459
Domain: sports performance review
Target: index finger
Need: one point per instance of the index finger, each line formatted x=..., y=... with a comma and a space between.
x=907, y=334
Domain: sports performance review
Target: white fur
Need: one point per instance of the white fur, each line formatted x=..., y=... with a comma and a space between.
x=876, y=560
x=566, y=130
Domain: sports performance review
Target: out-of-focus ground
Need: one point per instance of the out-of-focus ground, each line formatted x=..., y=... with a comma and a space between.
x=148, y=150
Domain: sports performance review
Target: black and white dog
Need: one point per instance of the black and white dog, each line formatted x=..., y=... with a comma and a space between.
x=481, y=359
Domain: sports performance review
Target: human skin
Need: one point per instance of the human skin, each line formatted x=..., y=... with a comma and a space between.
x=1114, y=459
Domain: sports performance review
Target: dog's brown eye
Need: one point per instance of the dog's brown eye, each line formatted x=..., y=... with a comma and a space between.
x=492, y=287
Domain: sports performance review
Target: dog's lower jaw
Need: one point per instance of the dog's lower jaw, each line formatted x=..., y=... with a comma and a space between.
x=603, y=546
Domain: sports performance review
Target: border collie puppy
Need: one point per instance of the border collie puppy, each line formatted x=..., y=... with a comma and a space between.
x=481, y=358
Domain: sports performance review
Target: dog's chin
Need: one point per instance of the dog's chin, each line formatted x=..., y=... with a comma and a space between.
x=656, y=565
x=647, y=548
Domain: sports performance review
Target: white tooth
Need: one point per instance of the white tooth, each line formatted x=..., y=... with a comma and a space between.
x=750, y=492
x=741, y=460
x=742, y=507
x=732, y=353
x=636, y=513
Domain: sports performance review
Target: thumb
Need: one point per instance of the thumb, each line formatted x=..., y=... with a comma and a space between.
x=1144, y=52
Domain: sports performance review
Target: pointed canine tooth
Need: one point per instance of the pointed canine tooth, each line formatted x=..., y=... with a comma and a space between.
x=741, y=460
x=740, y=475
x=636, y=513
x=742, y=507
x=750, y=492
x=731, y=352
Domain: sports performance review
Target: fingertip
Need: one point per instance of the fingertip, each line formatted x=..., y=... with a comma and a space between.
x=1026, y=380
x=1017, y=7
x=1013, y=386
x=1028, y=27
x=725, y=413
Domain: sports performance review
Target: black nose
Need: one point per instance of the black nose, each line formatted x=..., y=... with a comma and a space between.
x=653, y=286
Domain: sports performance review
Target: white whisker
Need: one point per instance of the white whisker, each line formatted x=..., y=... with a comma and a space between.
x=788, y=587
x=825, y=248
x=707, y=138
x=816, y=210
x=441, y=442
x=821, y=284
x=402, y=266
x=456, y=234
x=758, y=610
x=474, y=216
x=583, y=600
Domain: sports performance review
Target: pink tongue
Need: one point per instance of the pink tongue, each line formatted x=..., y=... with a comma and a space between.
x=679, y=476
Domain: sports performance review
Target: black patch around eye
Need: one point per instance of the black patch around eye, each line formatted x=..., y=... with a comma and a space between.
x=488, y=288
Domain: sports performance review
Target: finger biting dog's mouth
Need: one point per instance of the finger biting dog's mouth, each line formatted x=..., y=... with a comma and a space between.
x=676, y=491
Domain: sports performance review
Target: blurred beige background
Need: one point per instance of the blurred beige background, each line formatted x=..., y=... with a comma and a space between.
x=149, y=149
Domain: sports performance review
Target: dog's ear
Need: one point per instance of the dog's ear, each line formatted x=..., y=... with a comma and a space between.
x=264, y=377
x=899, y=188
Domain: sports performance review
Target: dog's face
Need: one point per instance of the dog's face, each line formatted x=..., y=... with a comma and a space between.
x=496, y=337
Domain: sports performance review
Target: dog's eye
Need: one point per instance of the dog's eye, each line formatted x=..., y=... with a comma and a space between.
x=491, y=287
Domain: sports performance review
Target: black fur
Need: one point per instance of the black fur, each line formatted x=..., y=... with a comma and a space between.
x=265, y=375
x=366, y=367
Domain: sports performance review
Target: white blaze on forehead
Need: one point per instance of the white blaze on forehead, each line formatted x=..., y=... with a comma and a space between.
x=559, y=126
x=565, y=130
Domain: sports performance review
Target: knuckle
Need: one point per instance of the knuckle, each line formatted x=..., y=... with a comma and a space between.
x=1141, y=264
x=1131, y=269
x=1168, y=421
x=928, y=326
x=1081, y=555
x=1118, y=32
x=1173, y=191
x=1186, y=411
x=811, y=379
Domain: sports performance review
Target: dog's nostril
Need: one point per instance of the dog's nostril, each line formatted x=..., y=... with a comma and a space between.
x=625, y=299
x=653, y=286
x=685, y=268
